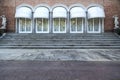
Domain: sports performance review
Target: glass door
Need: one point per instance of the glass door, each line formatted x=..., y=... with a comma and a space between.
x=94, y=25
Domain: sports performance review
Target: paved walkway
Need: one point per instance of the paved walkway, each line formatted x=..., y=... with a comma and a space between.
x=61, y=54
x=59, y=64
x=59, y=70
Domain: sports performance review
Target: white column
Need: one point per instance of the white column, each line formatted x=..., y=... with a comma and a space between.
x=103, y=25
x=68, y=23
x=33, y=24
x=17, y=27
x=85, y=28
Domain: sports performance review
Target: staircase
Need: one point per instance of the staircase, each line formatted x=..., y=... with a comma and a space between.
x=60, y=41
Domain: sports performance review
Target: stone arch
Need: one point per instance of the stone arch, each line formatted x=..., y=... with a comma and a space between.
x=59, y=15
x=25, y=5
x=42, y=5
x=95, y=15
x=77, y=14
x=77, y=5
x=59, y=5
x=23, y=15
x=41, y=16
x=95, y=5
x=96, y=10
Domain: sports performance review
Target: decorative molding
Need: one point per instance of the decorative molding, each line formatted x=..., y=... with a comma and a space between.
x=59, y=5
x=42, y=5
x=25, y=5
x=95, y=5
x=77, y=5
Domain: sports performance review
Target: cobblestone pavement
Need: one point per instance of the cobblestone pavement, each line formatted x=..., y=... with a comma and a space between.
x=59, y=70
x=61, y=54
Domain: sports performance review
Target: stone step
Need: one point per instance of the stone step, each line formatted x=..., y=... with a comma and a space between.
x=80, y=39
x=60, y=35
x=63, y=38
x=60, y=47
x=60, y=41
x=76, y=41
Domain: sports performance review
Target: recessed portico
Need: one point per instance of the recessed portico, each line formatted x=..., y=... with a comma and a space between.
x=60, y=19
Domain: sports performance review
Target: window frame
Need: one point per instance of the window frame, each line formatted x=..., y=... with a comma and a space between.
x=36, y=19
x=59, y=25
x=76, y=27
x=93, y=23
x=24, y=26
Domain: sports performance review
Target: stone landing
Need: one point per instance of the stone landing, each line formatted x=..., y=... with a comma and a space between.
x=61, y=54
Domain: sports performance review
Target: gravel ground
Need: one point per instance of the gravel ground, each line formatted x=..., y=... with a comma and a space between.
x=61, y=54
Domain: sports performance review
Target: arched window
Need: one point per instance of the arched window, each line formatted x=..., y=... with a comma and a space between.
x=41, y=16
x=24, y=22
x=96, y=17
x=77, y=17
x=59, y=19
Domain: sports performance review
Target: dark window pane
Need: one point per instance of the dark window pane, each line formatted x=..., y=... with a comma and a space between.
x=73, y=24
x=39, y=24
x=45, y=24
x=79, y=24
x=62, y=24
x=96, y=24
x=56, y=24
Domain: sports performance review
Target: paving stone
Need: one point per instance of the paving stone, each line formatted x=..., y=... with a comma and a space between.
x=61, y=54
x=59, y=70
